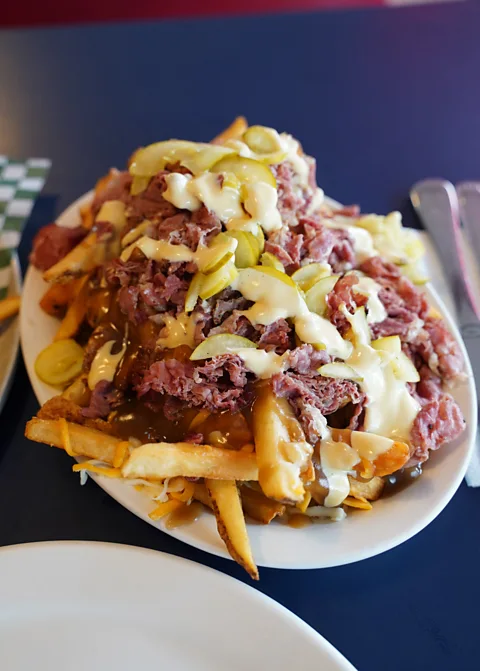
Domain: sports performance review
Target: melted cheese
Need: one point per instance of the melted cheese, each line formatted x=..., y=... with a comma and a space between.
x=275, y=299
x=296, y=159
x=178, y=331
x=179, y=193
x=223, y=200
x=160, y=250
x=264, y=364
x=363, y=243
x=337, y=460
x=261, y=204
x=390, y=408
x=317, y=200
x=369, y=446
x=104, y=365
x=375, y=307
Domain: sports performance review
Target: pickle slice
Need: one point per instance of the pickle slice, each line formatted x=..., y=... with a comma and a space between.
x=193, y=292
x=265, y=143
x=390, y=344
x=147, y=161
x=277, y=274
x=215, y=282
x=59, y=363
x=247, y=252
x=340, y=370
x=223, y=343
x=317, y=294
x=308, y=275
x=268, y=259
x=247, y=170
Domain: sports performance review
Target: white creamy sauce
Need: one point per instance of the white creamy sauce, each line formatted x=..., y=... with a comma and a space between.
x=296, y=159
x=261, y=204
x=390, y=408
x=264, y=364
x=275, y=299
x=223, y=200
x=337, y=460
x=363, y=243
x=105, y=364
x=179, y=192
x=160, y=250
x=317, y=201
x=178, y=331
x=368, y=287
x=368, y=445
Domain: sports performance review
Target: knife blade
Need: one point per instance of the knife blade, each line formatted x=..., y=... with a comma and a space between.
x=469, y=202
x=436, y=204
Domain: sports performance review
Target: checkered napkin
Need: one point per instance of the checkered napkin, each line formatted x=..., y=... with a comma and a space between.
x=20, y=184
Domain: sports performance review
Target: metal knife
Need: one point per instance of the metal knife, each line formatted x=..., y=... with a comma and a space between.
x=469, y=202
x=436, y=203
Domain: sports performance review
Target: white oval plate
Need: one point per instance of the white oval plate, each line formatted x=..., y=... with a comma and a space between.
x=72, y=606
x=392, y=521
x=10, y=336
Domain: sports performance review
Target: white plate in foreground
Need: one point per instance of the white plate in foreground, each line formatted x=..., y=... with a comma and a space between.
x=392, y=521
x=72, y=606
x=9, y=335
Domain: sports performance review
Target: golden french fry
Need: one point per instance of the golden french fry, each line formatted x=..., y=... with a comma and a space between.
x=76, y=312
x=84, y=441
x=260, y=508
x=234, y=132
x=60, y=407
x=156, y=461
x=57, y=298
x=77, y=391
x=201, y=494
x=9, y=307
x=86, y=256
x=368, y=489
x=283, y=455
x=231, y=522
x=360, y=503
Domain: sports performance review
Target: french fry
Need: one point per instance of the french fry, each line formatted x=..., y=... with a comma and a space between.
x=84, y=441
x=386, y=463
x=201, y=494
x=86, y=256
x=77, y=391
x=260, y=508
x=283, y=455
x=57, y=297
x=231, y=522
x=156, y=461
x=60, y=407
x=9, y=307
x=367, y=489
x=234, y=132
x=75, y=313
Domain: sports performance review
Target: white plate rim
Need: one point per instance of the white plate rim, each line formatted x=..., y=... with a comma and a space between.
x=118, y=491
x=70, y=555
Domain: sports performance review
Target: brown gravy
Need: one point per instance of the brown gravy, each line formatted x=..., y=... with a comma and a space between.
x=399, y=481
x=184, y=515
x=298, y=521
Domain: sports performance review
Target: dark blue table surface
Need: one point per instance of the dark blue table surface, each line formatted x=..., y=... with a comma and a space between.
x=381, y=98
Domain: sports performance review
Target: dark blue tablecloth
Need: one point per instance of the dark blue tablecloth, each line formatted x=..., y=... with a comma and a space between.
x=381, y=98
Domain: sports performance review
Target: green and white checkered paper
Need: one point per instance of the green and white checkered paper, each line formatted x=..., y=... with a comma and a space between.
x=20, y=184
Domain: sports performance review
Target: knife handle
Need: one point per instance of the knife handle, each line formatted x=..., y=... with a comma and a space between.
x=436, y=203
